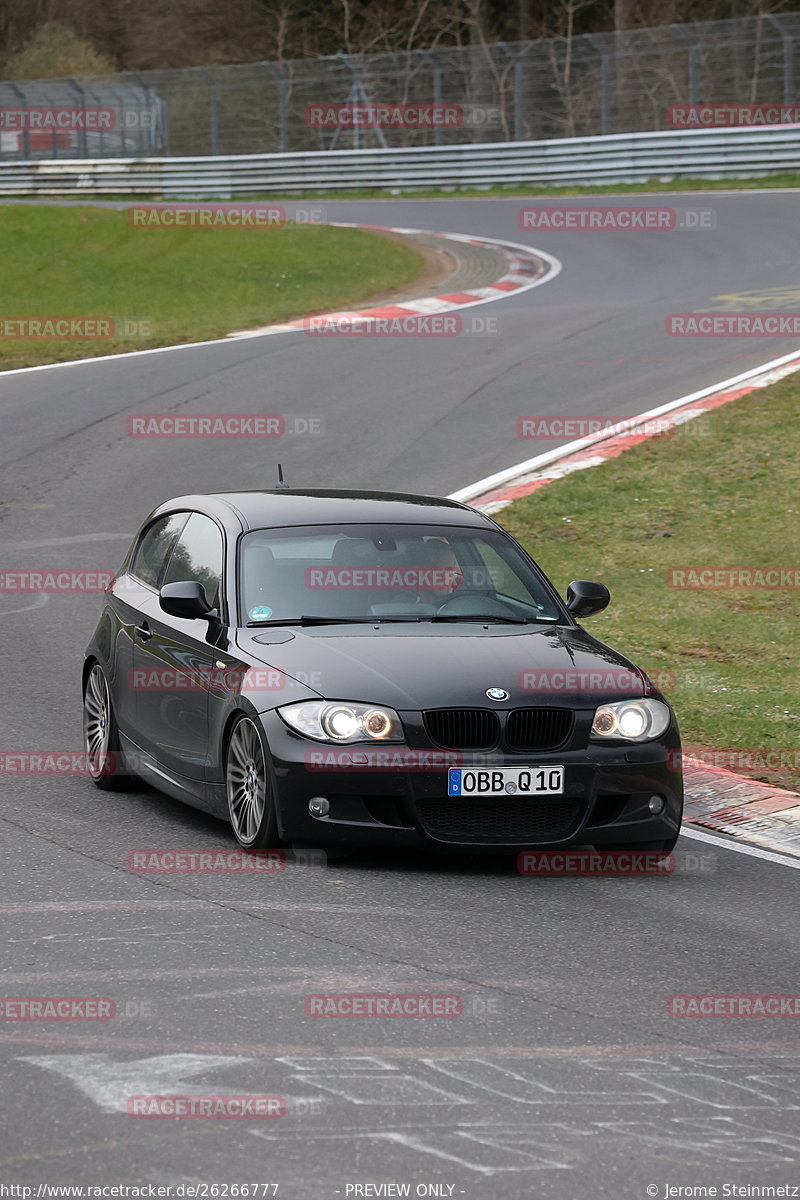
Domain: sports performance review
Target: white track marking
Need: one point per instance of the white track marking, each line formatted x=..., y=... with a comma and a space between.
x=500, y=1080
x=109, y=1083
x=39, y=602
x=739, y=848
x=551, y=456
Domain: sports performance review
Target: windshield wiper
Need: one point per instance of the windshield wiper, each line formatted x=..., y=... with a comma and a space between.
x=314, y=620
x=481, y=620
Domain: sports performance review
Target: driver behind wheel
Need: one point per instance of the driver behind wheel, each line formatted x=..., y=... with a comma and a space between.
x=440, y=576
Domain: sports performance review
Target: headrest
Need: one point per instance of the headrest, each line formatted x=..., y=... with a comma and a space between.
x=436, y=554
x=357, y=552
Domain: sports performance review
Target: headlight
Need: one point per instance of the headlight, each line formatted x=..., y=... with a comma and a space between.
x=631, y=720
x=332, y=721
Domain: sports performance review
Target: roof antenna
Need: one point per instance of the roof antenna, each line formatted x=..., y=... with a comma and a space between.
x=281, y=485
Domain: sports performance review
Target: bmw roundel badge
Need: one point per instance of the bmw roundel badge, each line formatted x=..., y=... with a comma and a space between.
x=497, y=693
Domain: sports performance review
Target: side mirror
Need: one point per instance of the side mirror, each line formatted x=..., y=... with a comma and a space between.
x=186, y=599
x=585, y=597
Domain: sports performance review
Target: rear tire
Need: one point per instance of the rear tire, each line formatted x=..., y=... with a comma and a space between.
x=249, y=787
x=101, y=734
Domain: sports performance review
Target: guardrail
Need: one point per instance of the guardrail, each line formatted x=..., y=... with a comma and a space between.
x=616, y=158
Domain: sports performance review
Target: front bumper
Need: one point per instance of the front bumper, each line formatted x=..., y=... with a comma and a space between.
x=375, y=802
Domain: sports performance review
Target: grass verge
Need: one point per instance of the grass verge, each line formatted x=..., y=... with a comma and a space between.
x=723, y=491
x=177, y=285
x=499, y=191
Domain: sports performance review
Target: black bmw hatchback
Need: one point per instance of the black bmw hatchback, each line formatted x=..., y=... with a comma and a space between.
x=346, y=667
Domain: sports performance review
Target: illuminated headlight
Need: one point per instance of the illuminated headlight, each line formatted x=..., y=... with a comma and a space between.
x=631, y=720
x=331, y=721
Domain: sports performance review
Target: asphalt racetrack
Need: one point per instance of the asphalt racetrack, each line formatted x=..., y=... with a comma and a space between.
x=564, y=1076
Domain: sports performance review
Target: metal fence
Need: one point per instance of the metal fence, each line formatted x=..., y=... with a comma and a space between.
x=618, y=158
x=63, y=118
x=593, y=84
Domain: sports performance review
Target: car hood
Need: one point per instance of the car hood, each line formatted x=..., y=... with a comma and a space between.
x=433, y=666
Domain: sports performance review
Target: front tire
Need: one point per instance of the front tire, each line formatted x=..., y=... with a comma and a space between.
x=249, y=787
x=100, y=733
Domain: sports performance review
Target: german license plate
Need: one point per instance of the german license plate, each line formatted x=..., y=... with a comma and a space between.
x=505, y=781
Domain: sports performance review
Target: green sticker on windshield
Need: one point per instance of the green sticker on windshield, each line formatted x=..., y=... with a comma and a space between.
x=260, y=614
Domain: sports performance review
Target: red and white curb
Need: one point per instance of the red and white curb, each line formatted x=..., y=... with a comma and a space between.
x=716, y=798
x=493, y=493
x=526, y=268
x=728, y=803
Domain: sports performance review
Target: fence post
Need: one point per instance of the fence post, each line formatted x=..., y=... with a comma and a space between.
x=605, y=102
x=26, y=141
x=163, y=112
x=517, y=61
x=357, y=95
x=213, y=113
x=788, y=65
x=436, y=70
x=352, y=96
x=102, y=142
x=123, y=127
x=281, y=104
x=687, y=37
x=82, y=133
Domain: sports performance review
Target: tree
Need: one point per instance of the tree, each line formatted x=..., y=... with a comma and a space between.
x=53, y=51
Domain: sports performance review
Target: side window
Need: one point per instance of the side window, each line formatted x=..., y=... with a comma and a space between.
x=155, y=547
x=198, y=556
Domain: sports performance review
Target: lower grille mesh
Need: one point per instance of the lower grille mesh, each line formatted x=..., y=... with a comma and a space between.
x=498, y=818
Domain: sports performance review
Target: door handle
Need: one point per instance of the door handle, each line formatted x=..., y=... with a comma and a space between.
x=143, y=631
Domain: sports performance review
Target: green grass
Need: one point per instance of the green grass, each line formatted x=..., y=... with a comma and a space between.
x=724, y=491
x=572, y=189
x=189, y=285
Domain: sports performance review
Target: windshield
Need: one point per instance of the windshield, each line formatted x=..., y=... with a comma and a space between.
x=424, y=572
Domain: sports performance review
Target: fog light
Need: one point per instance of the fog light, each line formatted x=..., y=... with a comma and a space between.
x=657, y=804
x=318, y=806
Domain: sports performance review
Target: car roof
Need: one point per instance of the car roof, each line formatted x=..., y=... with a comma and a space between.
x=320, y=506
